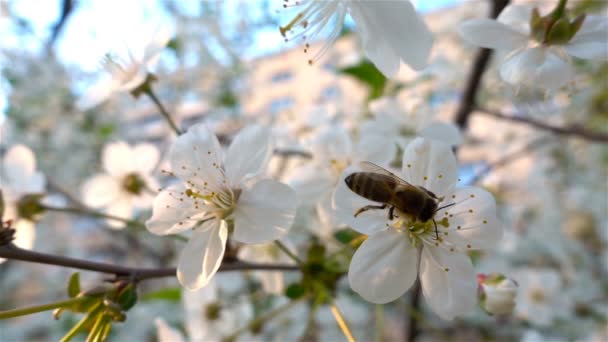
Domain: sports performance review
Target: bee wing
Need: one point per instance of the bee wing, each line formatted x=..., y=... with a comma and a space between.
x=371, y=167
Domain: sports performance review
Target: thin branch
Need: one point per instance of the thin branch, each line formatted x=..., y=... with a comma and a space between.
x=92, y=213
x=412, y=327
x=163, y=111
x=13, y=252
x=469, y=95
x=573, y=131
x=292, y=153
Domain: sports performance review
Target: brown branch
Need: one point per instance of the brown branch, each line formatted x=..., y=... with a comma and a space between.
x=469, y=95
x=573, y=131
x=15, y=253
x=412, y=327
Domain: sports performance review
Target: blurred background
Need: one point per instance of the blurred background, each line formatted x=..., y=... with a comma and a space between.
x=227, y=65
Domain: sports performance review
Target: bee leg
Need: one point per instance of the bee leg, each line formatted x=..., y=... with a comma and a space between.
x=391, y=213
x=369, y=207
x=436, y=232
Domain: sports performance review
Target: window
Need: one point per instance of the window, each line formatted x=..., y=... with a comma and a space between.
x=281, y=76
x=280, y=104
x=330, y=93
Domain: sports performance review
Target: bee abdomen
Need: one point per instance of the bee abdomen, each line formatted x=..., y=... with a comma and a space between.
x=372, y=186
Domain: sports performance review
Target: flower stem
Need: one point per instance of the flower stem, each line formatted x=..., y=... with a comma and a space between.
x=263, y=318
x=342, y=322
x=379, y=323
x=288, y=252
x=163, y=111
x=92, y=213
x=39, y=308
x=86, y=319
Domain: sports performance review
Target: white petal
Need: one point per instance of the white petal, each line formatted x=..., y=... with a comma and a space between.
x=18, y=165
x=383, y=267
x=196, y=156
x=146, y=157
x=264, y=212
x=122, y=207
x=118, y=158
x=536, y=67
x=430, y=164
x=169, y=214
x=96, y=94
x=310, y=182
x=392, y=31
x=248, y=154
x=166, y=333
x=153, y=49
x=473, y=221
x=449, y=293
x=332, y=143
x=100, y=190
x=491, y=34
x=590, y=42
x=346, y=203
x=203, y=254
x=445, y=132
x=517, y=17
x=377, y=149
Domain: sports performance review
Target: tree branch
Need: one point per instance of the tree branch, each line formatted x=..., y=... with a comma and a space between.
x=11, y=251
x=573, y=131
x=469, y=95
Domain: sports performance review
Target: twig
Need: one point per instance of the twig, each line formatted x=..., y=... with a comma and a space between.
x=469, y=95
x=92, y=213
x=289, y=253
x=163, y=111
x=412, y=327
x=573, y=131
x=13, y=252
x=292, y=153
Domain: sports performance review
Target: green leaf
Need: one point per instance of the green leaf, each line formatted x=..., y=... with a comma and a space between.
x=346, y=235
x=74, y=285
x=127, y=297
x=368, y=74
x=171, y=294
x=294, y=291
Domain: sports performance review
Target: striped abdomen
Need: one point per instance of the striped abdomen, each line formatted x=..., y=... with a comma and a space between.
x=372, y=186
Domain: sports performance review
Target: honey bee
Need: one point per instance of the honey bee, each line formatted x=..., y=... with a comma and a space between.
x=379, y=185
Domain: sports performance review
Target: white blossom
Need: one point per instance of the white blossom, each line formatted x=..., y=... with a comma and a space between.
x=398, y=250
x=219, y=196
x=530, y=61
x=498, y=294
x=540, y=298
x=391, y=31
x=127, y=182
x=19, y=179
x=272, y=281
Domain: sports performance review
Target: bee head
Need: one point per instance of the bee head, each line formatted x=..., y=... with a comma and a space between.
x=349, y=180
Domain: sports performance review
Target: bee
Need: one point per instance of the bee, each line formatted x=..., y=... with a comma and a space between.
x=379, y=185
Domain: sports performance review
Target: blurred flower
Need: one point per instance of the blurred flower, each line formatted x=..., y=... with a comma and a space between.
x=126, y=72
x=391, y=31
x=539, y=49
x=539, y=295
x=272, y=282
x=397, y=127
x=497, y=293
x=219, y=196
x=22, y=189
x=386, y=264
x=127, y=183
x=166, y=333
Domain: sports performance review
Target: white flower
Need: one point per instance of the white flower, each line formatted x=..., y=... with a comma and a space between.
x=126, y=72
x=333, y=151
x=398, y=127
x=126, y=183
x=272, y=282
x=391, y=31
x=539, y=300
x=219, y=196
x=498, y=294
x=530, y=61
x=388, y=262
x=166, y=333
x=18, y=179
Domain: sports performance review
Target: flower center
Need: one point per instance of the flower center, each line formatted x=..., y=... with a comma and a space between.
x=313, y=20
x=120, y=69
x=219, y=205
x=338, y=165
x=133, y=184
x=537, y=295
x=419, y=232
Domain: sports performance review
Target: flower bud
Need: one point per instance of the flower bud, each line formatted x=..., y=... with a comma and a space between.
x=497, y=294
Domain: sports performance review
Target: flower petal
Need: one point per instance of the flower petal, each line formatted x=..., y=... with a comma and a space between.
x=122, y=207
x=169, y=214
x=166, y=333
x=310, y=182
x=146, y=157
x=491, y=34
x=473, y=221
x=203, y=254
x=445, y=132
x=448, y=280
x=117, y=158
x=332, y=143
x=430, y=164
x=517, y=17
x=536, y=67
x=18, y=166
x=264, y=212
x=346, y=203
x=392, y=31
x=590, y=41
x=248, y=154
x=197, y=156
x=383, y=267
x=100, y=190
x=376, y=149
